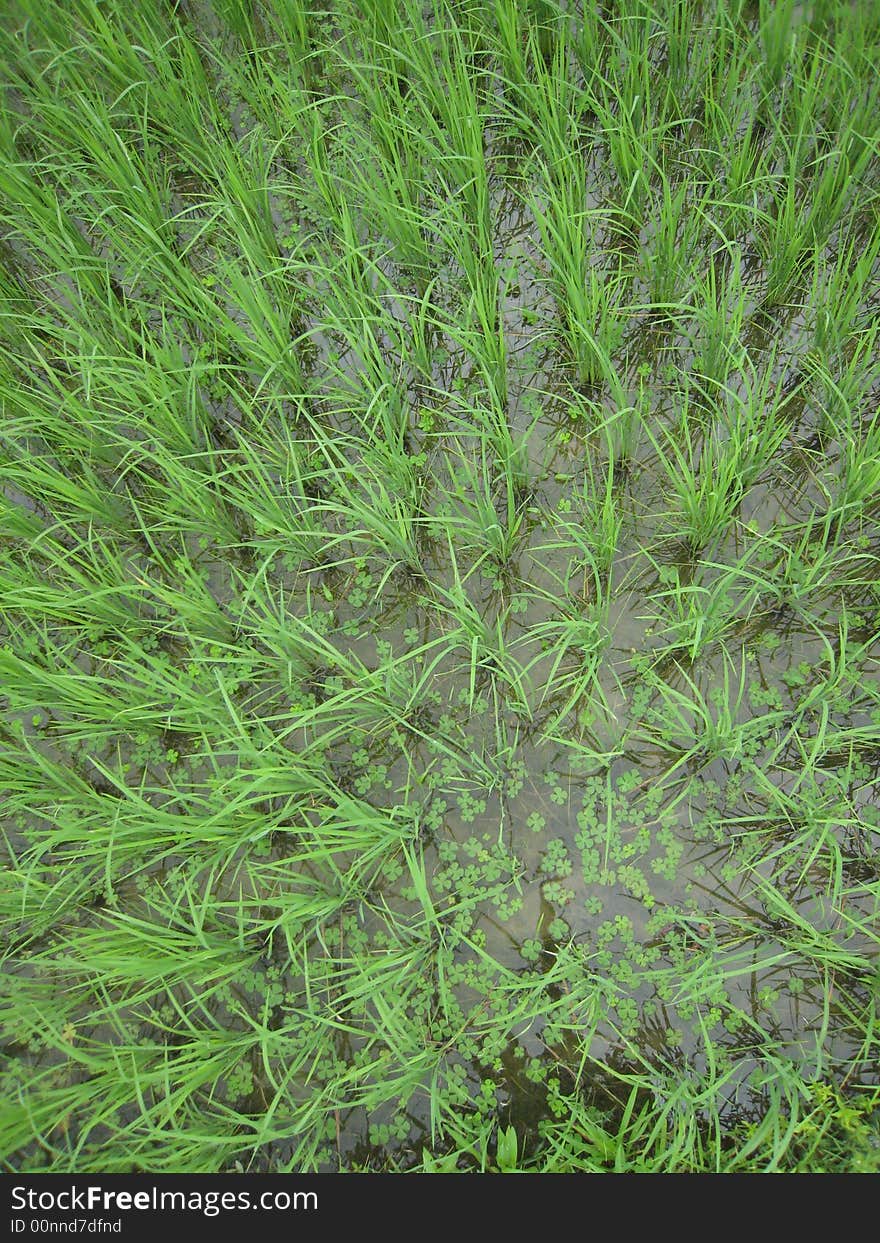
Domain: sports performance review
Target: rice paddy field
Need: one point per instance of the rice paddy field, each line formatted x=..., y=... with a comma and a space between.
x=440, y=586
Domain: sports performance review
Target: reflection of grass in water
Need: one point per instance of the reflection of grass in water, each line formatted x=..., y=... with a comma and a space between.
x=439, y=668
